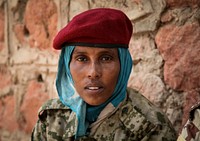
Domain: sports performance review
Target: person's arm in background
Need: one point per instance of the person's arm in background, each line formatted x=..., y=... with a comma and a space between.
x=191, y=130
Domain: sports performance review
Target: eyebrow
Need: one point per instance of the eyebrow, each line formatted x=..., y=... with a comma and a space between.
x=82, y=51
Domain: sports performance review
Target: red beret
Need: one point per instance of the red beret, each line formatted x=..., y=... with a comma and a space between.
x=101, y=27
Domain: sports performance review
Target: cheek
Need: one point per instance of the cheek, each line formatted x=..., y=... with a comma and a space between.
x=77, y=76
x=113, y=73
x=75, y=72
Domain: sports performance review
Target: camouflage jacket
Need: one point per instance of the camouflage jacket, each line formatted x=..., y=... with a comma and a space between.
x=191, y=130
x=135, y=120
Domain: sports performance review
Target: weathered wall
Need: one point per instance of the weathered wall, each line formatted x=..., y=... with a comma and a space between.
x=165, y=48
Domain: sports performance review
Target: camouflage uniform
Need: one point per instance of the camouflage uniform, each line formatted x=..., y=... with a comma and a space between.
x=136, y=119
x=191, y=130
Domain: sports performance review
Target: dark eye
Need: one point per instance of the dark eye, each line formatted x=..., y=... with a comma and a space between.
x=81, y=59
x=106, y=58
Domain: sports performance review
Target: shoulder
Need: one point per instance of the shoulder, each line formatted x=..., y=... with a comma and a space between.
x=54, y=118
x=146, y=108
x=51, y=106
x=141, y=117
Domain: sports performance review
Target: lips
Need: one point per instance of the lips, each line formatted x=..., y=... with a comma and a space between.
x=94, y=88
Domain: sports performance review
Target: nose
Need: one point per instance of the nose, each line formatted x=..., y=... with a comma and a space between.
x=94, y=70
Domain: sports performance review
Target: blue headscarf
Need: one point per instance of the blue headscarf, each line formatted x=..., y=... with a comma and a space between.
x=69, y=96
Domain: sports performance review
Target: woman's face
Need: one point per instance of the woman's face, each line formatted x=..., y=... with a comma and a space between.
x=95, y=73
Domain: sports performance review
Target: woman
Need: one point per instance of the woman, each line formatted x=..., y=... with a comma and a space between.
x=94, y=101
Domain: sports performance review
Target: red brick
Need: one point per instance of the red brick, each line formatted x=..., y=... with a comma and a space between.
x=8, y=119
x=6, y=77
x=33, y=99
x=19, y=30
x=41, y=22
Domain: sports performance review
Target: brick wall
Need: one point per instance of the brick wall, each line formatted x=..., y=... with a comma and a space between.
x=164, y=47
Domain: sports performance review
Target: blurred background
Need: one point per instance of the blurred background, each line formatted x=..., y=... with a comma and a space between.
x=165, y=48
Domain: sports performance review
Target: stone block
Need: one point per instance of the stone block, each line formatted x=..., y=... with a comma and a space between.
x=23, y=56
x=179, y=47
x=2, y=27
x=146, y=57
x=5, y=80
x=183, y=3
x=149, y=85
x=150, y=19
x=78, y=7
x=3, y=43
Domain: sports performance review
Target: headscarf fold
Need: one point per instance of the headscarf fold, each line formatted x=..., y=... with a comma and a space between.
x=68, y=95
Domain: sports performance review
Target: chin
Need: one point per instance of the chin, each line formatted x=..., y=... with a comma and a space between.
x=94, y=103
